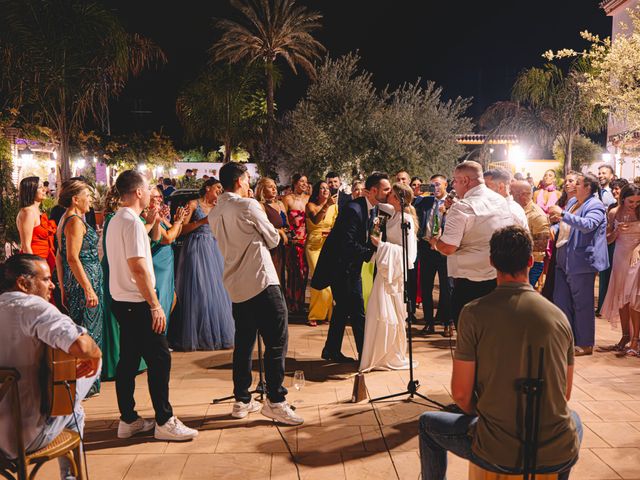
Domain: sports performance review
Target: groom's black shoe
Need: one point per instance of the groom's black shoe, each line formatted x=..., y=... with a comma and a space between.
x=337, y=357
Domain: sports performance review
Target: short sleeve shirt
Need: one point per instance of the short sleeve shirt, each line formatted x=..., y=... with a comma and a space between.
x=495, y=331
x=28, y=324
x=127, y=238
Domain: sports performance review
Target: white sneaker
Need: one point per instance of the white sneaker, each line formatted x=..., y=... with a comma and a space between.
x=241, y=409
x=281, y=412
x=127, y=430
x=174, y=430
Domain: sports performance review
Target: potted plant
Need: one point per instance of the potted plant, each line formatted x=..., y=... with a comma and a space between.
x=99, y=202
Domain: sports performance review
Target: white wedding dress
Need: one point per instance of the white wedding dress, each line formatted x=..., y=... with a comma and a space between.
x=385, y=337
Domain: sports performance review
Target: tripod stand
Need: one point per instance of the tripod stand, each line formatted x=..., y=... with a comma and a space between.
x=261, y=387
x=532, y=389
x=413, y=385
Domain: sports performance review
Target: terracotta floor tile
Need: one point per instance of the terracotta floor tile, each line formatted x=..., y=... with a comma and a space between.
x=262, y=439
x=591, y=467
x=625, y=461
x=160, y=467
x=368, y=466
x=101, y=467
x=329, y=439
x=228, y=466
x=319, y=466
x=205, y=442
x=591, y=440
x=348, y=415
x=612, y=411
x=616, y=434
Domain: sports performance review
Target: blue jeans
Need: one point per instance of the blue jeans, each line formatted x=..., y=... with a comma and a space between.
x=535, y=272
x=441, y=432
x=55, y=425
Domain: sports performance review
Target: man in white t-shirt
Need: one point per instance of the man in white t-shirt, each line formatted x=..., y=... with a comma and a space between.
x=470, y=223
x=140, y=316
x=499, y=180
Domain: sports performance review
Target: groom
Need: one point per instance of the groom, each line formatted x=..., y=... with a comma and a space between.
x=340, y=264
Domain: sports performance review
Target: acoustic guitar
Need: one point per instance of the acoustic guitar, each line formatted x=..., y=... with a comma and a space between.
x=59, y=371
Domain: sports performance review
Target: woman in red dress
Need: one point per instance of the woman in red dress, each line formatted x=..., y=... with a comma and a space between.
x=36, y=231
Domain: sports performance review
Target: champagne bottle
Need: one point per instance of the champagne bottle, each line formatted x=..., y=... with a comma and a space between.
x=435, y=230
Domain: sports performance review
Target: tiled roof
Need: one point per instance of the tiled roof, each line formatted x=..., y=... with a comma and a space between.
x=610, y=5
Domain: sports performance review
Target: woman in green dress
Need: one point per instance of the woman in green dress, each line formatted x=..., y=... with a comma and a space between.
x=79, y=270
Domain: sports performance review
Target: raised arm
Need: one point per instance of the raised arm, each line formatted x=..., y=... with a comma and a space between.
x=590, y=222
x=257, y=216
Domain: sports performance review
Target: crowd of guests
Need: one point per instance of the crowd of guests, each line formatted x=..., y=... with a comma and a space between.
x=254, y=253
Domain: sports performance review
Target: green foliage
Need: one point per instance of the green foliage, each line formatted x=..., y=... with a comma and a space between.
x=128, y=151
x=584, y=152
x=8, y=199
x=62, y=60
x=224, y=104
x=195, y=155
x=47, y=205
x=345, y=124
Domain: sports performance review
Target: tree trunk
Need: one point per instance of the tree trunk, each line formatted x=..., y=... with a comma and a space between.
x=270, y=101
x=227, y=151
x=568, y=154
x=63, y=154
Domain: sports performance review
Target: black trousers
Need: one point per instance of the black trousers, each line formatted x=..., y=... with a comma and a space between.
x=137, y=339
x=432, y=262
x=349, y=305
x=464, y=291
x=266, y=314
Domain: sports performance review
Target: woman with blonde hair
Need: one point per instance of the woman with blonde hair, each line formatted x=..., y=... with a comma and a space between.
x=79, y=270
x=267, y=195
x=385, y=338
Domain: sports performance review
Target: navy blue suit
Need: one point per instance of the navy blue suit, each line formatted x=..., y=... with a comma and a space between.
x=339, y=267
x=431, y=262
x=577, y=262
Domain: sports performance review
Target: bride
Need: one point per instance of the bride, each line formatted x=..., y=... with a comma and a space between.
x=385, y=338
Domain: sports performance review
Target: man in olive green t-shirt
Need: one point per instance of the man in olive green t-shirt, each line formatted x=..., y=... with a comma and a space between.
x=494, y=334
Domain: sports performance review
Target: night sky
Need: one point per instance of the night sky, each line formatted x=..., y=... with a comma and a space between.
x=470, y=48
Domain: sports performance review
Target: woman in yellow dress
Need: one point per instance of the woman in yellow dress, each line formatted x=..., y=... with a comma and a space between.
x=321, y=213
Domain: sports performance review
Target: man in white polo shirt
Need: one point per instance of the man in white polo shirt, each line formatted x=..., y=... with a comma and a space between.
x=245, y=235
x=471, y=221
x=140, y=316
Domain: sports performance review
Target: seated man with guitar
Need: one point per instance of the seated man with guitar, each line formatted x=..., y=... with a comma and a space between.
x=29, y=326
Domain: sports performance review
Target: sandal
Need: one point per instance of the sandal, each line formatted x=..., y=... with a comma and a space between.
x=618, y=347
x=312, y=323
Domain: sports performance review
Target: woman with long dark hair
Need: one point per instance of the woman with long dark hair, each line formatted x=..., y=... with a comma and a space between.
x=581, y=245
x=206, y=319
x=321, y=211
x=297, y=268
x=622, y=300
x=36, y=231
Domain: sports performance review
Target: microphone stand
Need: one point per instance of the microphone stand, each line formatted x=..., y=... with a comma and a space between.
x=261, y=387
x=413, y=385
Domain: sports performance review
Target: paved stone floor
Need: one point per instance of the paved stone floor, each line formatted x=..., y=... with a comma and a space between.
x=341, y=440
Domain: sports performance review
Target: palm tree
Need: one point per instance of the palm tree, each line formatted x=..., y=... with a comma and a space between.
x=547, y=105
x=270, y=29
x=223, y=104
x=62, y=60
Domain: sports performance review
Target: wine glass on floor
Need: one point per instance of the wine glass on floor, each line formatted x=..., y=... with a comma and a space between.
x=298, y=380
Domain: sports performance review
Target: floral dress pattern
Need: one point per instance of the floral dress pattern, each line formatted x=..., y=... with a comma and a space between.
x=297, y=268
x=90, y=318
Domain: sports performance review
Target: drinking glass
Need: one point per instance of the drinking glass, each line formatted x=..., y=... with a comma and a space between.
x=298, y=380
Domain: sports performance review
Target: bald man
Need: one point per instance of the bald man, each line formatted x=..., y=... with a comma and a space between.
x=470, y=223
x=538, y=226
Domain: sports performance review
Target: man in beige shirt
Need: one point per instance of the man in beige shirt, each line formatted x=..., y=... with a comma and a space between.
x=538, y=226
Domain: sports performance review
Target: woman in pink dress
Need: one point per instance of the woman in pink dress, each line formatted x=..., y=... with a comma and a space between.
x=547, y=193
x=622, y=302
x=297, y=270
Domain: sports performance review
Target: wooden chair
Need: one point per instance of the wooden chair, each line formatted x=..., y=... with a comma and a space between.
x=66, y=444
x=479, y=473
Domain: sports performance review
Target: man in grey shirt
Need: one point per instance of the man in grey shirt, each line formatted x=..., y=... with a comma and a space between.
x=28, y=324
x=245, y=235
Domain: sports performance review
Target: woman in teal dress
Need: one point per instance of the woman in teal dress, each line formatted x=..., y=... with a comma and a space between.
x=79, y=269
x=162, y=252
